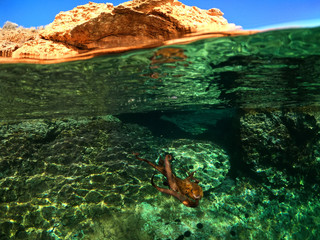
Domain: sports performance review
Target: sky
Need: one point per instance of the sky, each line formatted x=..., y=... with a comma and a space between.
x=250, y=14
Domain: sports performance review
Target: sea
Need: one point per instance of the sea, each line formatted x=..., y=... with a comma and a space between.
x=241, y=112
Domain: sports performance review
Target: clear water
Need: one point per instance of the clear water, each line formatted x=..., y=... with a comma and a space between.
x=271, y=69
x=241, y=111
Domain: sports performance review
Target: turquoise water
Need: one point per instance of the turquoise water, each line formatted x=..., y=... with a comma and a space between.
x=271, y=69
x=240, y=111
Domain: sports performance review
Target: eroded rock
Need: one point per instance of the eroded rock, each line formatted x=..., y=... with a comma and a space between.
x=136, y=23
x=44, y=49
x=277, y=143
x=131, y=23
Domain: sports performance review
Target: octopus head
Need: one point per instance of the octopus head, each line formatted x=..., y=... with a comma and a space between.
x=195, y=191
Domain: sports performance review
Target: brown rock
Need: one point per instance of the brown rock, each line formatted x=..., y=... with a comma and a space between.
x=67, y=26
x=139, y=21
x=96, y=28
x=6, y=48
x=12, y=38
x=44, y=49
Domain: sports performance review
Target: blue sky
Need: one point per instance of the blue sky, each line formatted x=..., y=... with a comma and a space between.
x=247, y=13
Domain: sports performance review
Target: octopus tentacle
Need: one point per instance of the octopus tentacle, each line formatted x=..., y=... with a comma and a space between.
x=168, y=191
x=159, y=168
x=171, y=181
x=186, y=201
x=192, y=177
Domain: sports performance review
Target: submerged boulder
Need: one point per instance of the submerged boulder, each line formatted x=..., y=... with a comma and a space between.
x=283, y=142
x=66, y=173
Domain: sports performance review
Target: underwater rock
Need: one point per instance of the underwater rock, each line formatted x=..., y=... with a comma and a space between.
x=210, y=161
x=198, y=122
x=77, y=179
x=65, y=172
x=279, y=143
x=69, y=171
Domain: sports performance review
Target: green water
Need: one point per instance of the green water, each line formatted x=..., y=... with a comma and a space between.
x=240, y=111
x=271, y=69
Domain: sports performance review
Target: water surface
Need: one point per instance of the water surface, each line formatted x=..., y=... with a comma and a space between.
x=270, y=69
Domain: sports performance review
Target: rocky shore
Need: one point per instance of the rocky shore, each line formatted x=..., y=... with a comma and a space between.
x=97, y=28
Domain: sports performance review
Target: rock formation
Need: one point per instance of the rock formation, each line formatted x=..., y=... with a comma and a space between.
x=102, y=25
x=13, y=37
x=41, y=48
x=136, y=23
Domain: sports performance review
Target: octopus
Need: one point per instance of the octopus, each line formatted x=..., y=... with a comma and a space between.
x=187, y=190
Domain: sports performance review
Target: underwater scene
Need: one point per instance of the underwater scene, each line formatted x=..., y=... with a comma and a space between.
x=215, y=139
